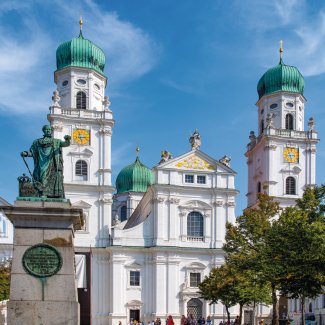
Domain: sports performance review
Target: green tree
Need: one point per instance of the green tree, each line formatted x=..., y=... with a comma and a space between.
x=267, y=247
x=5, y=268
x=232, y=286
x=220, y=286
x=312, y=202
x=246, y=246
x=297, y=239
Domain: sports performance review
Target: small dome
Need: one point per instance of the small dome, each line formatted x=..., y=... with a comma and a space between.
x=80, y=52
x=134, y=178
x=281, y=78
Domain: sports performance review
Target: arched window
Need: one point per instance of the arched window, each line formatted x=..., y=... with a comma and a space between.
x=262, y=126
x=123, y=213
x=259, y=187
x=290, y=185
x=195, y=224
x=82, y=169
x=289, y=122
x=3, y=226
x=81, y=100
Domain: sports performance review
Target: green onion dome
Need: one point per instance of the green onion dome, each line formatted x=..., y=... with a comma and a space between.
x=134, y=178
x=281, y=78
x=80, y=52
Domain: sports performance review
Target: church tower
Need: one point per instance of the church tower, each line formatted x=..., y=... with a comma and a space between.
x=281, y=157
x=81, y=109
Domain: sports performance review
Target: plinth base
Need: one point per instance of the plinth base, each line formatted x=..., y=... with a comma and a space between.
x=37, y=299
x=43, y=313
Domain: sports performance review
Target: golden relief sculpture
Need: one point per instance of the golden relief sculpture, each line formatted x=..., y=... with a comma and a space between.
x=194, y=162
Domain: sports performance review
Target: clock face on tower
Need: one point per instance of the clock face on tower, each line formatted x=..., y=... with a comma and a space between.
x=81, y=136
x=291, y=154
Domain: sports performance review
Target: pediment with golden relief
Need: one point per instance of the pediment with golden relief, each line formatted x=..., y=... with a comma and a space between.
x=194, y=162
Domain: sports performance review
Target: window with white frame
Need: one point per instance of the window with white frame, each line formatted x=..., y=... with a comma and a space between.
x=189, y=178
x=123, y=213
x=289, y=122
x=290, y=185
x=201, y=179
x=134, y=278
x=195, y=279
x=81, y=170
x=81, y=100
x=195, y=179
x=195, y=224
x=3, y=227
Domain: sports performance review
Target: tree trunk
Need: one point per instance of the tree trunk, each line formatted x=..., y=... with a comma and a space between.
x=228, y=314
x=302, y=310
x=240, y=314
x=275, y=317
x=254, y=313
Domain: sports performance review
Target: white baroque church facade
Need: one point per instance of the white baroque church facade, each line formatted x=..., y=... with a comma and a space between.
x=148, y=241
x=148, y=246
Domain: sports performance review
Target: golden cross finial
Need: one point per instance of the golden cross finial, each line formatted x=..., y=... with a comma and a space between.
x=80, y=23
x=137, y=151
x=281, y=49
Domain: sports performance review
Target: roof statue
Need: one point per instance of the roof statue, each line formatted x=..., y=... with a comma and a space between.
x=311, y=124
x=165, y=156
x=55, y=99
x=225, y=160
x=47, y=177
x=269, y=119
x=106, y=103
x=195, y=140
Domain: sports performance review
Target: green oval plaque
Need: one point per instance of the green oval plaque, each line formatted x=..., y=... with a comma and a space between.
x=42, y=260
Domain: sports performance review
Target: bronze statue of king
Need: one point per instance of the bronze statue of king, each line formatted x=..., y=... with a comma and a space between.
x=47, y=176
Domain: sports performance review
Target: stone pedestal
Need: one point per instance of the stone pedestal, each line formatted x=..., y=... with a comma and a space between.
x=51, y=300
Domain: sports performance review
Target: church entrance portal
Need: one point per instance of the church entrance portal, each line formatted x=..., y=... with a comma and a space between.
x=135, y=314
x=194, y=307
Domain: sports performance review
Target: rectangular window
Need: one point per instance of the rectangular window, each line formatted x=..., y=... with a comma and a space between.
x=135, y=278
x=201, y=179
x=195, y=279
x=189, y=178
x=323, y=304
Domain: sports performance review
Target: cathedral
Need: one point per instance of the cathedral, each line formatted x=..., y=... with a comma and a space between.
x=152, y=236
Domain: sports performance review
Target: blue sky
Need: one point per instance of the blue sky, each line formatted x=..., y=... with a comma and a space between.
x=172, y=66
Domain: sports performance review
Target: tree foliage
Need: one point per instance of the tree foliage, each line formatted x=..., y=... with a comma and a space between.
x=246, y=246
x=270, y=249
x=297, y=239
x=5, y=268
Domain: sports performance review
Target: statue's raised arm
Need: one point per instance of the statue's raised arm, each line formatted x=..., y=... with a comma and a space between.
x=48, y=164
x=67, y=141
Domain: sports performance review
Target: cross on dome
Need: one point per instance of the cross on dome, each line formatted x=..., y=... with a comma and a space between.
x=281, y=50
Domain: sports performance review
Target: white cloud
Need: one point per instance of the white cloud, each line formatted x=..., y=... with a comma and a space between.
x=265, y=15
x=122, y=156
x=22, y=86
x=310, y=46
x=185, y=88
x=288, y=9
x=27, y=52
x=130, y=52
x=302, y=30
